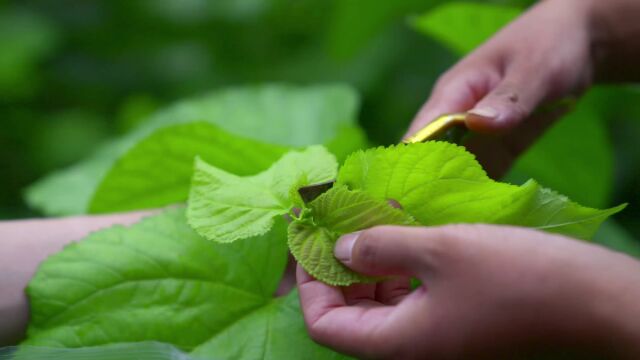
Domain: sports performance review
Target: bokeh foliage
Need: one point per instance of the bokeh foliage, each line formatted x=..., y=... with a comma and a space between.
x=74, y=74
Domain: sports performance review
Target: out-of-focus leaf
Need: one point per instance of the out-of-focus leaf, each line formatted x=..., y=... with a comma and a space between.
x=279, y=114
x=65, y=138
x=134, y=111
x=198, y=11
x=615, y=237
x=25, y=39
x=462, y=26
x=574, y=157
x=348, y=140
x=355, y=22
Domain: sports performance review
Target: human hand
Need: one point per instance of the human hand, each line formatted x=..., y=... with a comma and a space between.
x=543, y=56
x=486, y=290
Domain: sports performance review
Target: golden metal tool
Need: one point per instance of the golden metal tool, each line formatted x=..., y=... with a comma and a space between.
x=437, y=128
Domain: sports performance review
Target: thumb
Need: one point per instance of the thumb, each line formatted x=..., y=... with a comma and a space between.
x=513, y=100
x=384, y=250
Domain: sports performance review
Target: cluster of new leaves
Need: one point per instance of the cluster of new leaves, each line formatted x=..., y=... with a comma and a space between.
x=434, y=183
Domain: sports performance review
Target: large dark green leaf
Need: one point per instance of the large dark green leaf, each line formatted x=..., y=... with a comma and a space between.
x=159, y=281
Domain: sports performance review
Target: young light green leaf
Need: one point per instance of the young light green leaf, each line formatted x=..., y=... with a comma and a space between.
x=436, y=182
x=159, y=281
x=274, y=113
x=334, y=213
x=157, y=171
x=439, y=183
x=225, y=207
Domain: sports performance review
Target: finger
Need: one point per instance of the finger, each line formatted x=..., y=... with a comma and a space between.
x=384, y=250
x=316, y=298
x=459, y=94
x=509, y=103
x=350, y=329
x=393, y=291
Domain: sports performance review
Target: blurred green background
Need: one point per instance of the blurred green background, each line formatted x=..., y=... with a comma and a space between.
x=74, y=74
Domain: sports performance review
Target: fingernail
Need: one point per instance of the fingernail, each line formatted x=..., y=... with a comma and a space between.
x=344, y=246
x=486, y=112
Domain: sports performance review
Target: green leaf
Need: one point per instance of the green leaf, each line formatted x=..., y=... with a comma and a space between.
x=279, y=114
x=225, y=207
x=553, y=212
x=439, y=183
x=334, y=213
x=346, y=36
x=157, y=171
x=159, y=281
x=26, y=40
x=436, y=182
x=348, y=140
x=275, y=331
x=144, y=350
x=462, y=26
x=616, y=237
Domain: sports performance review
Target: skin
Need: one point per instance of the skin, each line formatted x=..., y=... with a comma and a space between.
x=497, y=291
x=525, y=65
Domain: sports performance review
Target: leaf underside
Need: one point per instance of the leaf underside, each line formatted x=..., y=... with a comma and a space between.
x=337, y=212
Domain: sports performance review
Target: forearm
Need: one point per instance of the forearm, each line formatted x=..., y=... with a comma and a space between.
x=26, y=243
x=616, y=39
